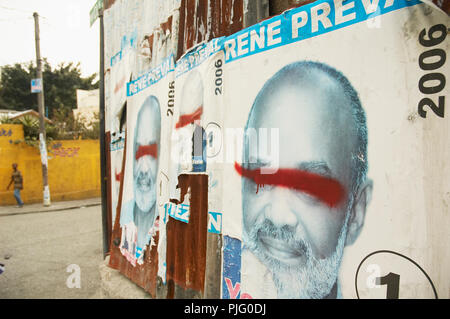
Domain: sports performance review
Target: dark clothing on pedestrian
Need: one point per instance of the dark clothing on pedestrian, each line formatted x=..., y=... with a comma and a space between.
x=18, y=180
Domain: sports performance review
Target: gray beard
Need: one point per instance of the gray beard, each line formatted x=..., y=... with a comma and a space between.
x=144, y=222
x=145, y=198
x=312, y=281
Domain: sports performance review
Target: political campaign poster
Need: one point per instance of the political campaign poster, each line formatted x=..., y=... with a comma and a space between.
x=120, y=43
x=335, y=140
x=146, y=161
x=198, y=112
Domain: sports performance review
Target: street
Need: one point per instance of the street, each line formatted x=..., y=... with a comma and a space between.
x=46, y=254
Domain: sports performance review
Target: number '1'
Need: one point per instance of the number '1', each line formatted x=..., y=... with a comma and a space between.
x=392, y=281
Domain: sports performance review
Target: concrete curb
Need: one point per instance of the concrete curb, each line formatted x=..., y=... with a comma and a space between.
x=57, y=206
x=114, y=285
x=48, y=211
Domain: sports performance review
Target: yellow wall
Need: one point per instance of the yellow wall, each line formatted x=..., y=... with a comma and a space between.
x=73, y=168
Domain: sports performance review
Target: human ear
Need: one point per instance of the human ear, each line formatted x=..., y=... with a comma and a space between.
x=358, y=211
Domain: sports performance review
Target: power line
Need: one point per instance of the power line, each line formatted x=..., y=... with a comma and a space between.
x=15, y=19
x=15, y=9
x=22, y=11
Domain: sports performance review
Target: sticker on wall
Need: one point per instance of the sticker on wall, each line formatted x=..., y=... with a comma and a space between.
x=214, y=222
x=177, y=211
x=231, y=284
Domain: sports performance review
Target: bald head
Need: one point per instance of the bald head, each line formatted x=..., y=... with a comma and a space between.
x=146, y=151
x=192, y=94
x=148, y=125
x=313, y=98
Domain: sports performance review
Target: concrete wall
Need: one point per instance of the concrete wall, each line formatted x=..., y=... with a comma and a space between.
x=87, y=106
x=74, y=167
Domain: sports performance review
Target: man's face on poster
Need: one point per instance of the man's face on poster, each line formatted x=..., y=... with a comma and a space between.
x=297, y=221
x=146, y=146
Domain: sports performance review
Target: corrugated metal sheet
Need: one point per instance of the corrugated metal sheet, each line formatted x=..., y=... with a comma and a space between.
x=108, y=3
x=443, y=4
x=278, y=6
x=186, y=242
x=203, y=20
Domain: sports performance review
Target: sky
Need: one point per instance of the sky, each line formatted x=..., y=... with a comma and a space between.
x=65, y=33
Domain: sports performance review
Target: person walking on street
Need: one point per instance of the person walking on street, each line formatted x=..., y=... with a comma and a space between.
x=17, y=178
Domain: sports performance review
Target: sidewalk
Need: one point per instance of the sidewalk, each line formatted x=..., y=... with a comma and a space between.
x=55, y=206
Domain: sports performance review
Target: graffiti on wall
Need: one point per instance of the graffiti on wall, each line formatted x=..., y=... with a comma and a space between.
x=5, y=133
x=59, y=150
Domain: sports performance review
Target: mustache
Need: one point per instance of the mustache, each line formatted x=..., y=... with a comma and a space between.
x=143, y=165
x=285, y=233
x=144, y=177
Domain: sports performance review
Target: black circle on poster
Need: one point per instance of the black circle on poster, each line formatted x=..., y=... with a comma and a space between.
x=392, y=277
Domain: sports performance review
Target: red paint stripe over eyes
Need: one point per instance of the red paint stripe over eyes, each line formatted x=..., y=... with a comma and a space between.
x=327, y=190
x=189, y=118
x=144, y=150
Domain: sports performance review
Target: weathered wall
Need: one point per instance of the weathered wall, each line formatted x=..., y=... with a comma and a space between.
x=74, y=168
x=201, y=71
x=138, y=37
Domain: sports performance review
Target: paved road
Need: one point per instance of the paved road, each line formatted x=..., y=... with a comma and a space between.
x=37, y=249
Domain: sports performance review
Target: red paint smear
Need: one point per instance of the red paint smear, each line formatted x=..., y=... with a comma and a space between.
x=189, y=118
x=118, y=177
x=144, y=150
x=327, y=190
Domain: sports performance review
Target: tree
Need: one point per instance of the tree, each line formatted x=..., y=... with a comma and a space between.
x=60, y=85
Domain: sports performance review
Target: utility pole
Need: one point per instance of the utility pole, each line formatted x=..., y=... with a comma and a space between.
x=104, y=185
x=42, y=135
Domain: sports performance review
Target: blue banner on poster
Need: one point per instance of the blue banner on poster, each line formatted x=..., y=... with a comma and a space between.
x=198, y=55
x=306, y=22
x=151, y=77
